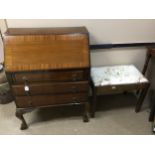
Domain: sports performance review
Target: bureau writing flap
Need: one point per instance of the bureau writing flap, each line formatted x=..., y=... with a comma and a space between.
x=46, y=49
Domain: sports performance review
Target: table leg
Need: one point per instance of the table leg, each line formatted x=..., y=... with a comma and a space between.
x=147, y=59
x=152, y=113
x=152, y=116
x=141, y=98
x=153, y=127
x=94, y=102
x=86, y=112
x=148, y=56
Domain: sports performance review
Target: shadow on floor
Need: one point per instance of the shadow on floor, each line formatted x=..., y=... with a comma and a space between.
x=105, y=103
x=54, y=113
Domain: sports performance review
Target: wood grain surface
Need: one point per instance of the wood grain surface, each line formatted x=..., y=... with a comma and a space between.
x=52, y=88
x=37, y=49
x=45, y=100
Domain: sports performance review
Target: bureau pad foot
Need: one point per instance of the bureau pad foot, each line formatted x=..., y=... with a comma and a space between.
x=19, y=115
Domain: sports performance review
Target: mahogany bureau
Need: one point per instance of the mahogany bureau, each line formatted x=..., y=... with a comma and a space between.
x=47, y=67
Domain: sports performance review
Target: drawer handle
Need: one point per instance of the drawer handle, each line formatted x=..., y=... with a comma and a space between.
x=113, y=87
x=26, y=88
x=75, y=77
x=75, y=100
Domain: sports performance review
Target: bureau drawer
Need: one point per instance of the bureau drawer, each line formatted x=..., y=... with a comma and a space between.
x=46, y=100
x=51, y=88
x=44, y=76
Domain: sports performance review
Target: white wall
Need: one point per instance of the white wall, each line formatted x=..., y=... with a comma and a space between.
x=101, y=31
x=105, y=31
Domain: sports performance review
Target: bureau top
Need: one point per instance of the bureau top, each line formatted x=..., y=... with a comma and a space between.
x=45, y=31
x=30, y=49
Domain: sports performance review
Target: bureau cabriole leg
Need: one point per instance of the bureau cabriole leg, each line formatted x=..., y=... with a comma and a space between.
x=19, y=115
x=86, y=112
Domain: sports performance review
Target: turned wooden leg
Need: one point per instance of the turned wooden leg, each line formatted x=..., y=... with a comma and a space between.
x=86, y=112
x=19, y=115
x=141, y=98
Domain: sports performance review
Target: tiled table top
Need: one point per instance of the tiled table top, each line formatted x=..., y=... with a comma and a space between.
x=116, y=75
